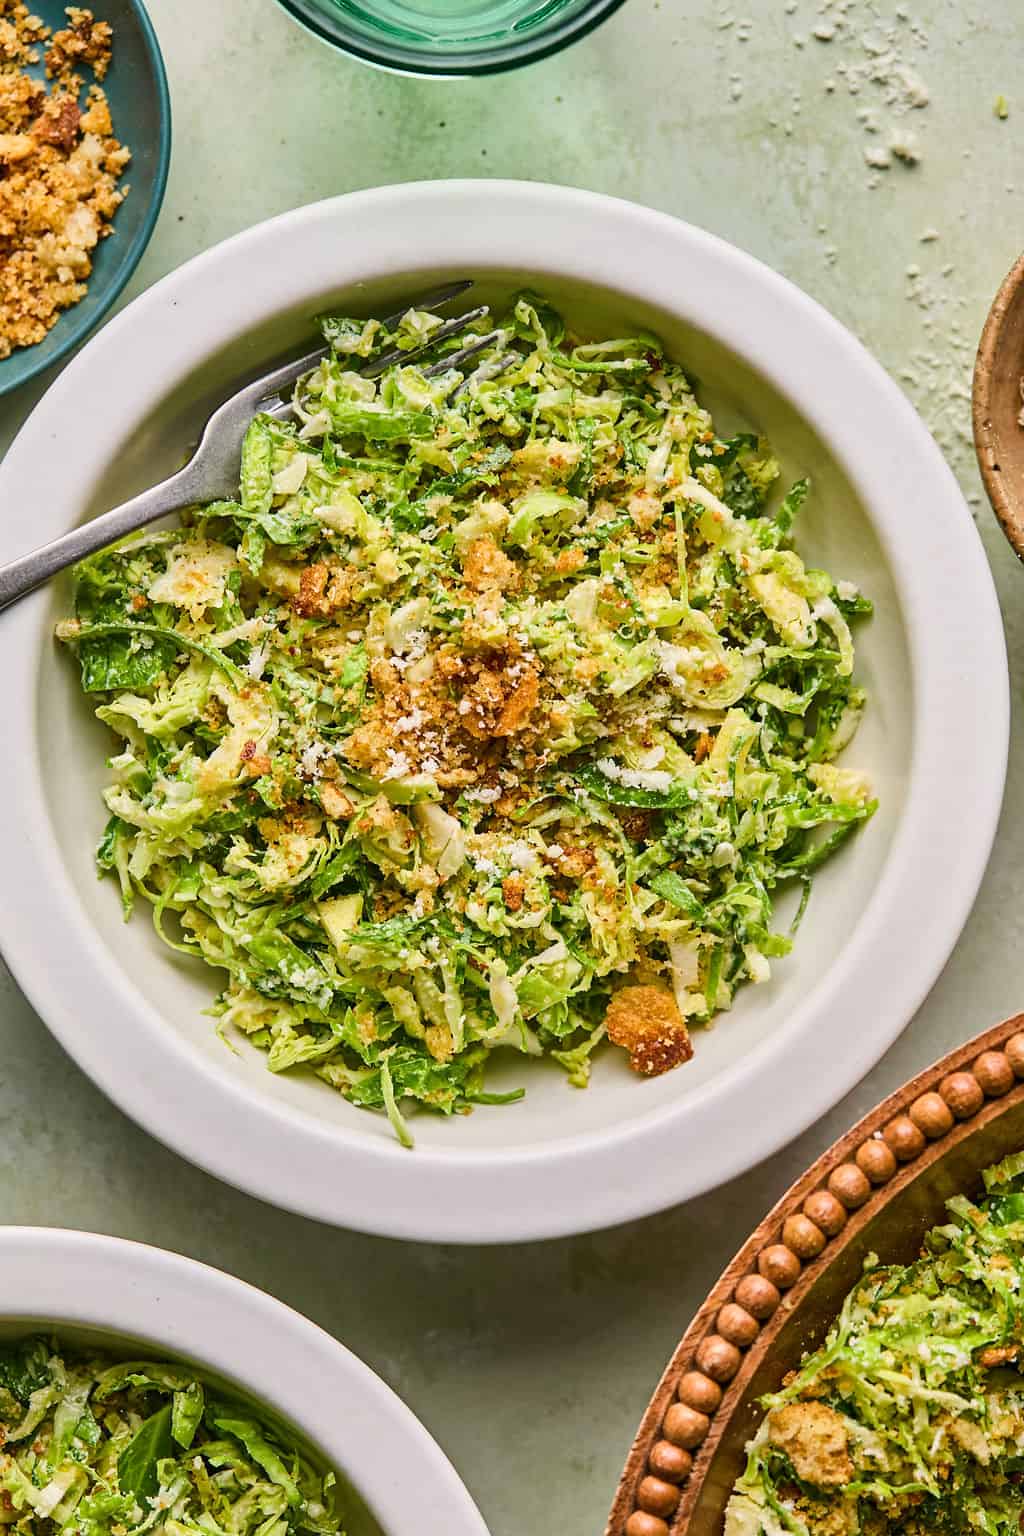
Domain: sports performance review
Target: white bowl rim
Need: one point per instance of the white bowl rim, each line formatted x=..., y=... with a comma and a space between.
x=960, y=726
x=60, y=1279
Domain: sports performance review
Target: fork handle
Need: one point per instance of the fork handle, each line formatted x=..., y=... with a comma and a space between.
x=21, y=576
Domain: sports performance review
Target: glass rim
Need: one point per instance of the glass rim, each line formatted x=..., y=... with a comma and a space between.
x=403, y=61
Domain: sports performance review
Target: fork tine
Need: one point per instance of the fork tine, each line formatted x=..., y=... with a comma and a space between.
x=450, y=360
x=463, y=355
x=453, y=327
x=492, y=370
x=271, y=386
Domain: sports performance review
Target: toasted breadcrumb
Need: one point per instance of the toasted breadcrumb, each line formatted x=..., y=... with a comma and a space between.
x=84, y=41
x=59, y=170
x=647, y=1022
x=323, y=591
x=486, y=567
x=814, y=1438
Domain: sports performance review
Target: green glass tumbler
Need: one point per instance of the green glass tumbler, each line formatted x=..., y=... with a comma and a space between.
x=449, y=38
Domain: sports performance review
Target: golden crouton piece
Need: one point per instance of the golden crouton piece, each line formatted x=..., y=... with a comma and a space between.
x=813, y=1436
x=336, y=804
x=998, y=1354
x=323, y=591
x=647, y=1023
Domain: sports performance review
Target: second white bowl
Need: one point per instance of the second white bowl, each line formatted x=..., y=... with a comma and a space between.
x=122, y=1296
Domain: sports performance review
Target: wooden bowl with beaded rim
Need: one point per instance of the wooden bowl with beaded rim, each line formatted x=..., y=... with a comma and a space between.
x=996, y=406
x=877, y=1190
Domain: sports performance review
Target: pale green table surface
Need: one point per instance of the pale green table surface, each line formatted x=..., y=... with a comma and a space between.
x=532, y=1365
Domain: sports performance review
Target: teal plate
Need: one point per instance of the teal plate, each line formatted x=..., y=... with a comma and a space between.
x=136, y=87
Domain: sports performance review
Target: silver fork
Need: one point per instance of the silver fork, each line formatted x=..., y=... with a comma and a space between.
x=212, y=472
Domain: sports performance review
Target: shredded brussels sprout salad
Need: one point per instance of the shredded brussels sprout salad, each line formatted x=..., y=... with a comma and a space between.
x=910, y=1418
x=90, y=1446
x=493, y=714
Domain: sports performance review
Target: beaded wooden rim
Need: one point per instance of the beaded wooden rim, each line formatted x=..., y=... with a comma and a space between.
x=838, y=1194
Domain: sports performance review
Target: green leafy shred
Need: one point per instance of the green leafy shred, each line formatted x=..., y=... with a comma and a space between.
x=92, y=1447
x=492, y=693
x=909, y=1419
x=138, y=1464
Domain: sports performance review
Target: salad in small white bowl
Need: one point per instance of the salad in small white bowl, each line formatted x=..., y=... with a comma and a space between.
x=491, y=739
x=141, y=1391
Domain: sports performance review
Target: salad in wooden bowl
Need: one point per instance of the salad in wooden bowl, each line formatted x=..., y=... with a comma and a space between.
x=855, y=1369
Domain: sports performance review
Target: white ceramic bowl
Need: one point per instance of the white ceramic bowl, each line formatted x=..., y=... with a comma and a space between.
x=886, y=513
x=132, y=1299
